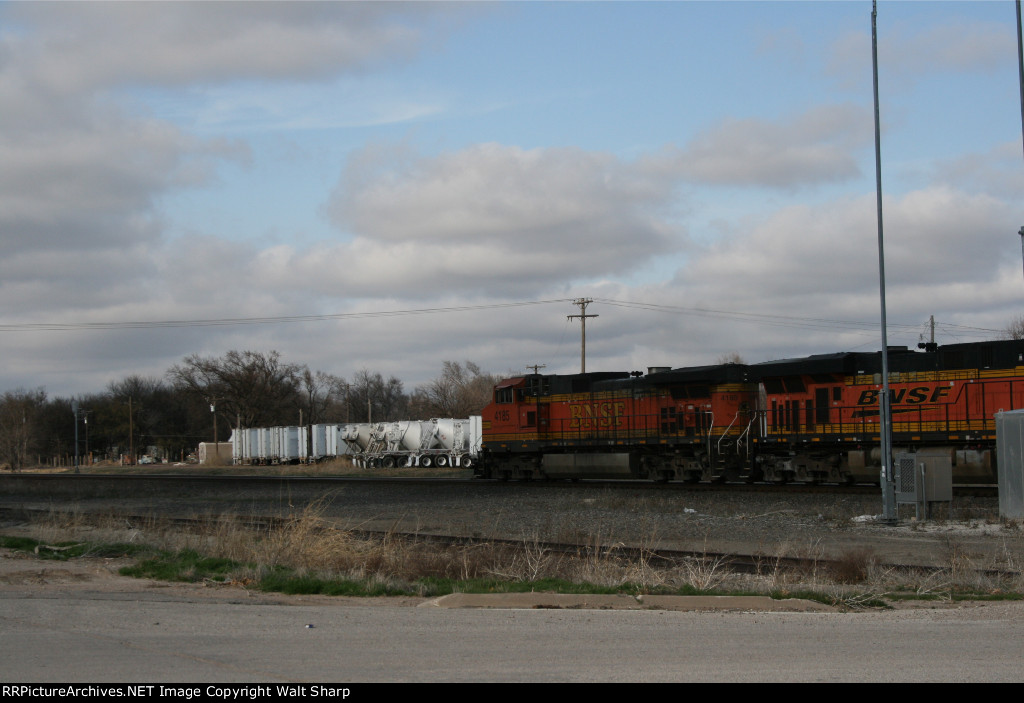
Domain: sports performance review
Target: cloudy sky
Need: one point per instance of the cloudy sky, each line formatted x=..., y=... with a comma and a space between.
x=386, y=186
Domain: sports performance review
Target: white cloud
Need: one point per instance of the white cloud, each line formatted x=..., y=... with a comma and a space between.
x=91, y=45
x=811, y=148
x=494, y=217
x=910, y=52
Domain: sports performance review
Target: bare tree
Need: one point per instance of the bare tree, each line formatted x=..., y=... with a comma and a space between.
x=18, y=426
x=256, y=388
x=370, y=391
x=730, y=358
x=322, y=395
x=460, y=391
x=1014, y=330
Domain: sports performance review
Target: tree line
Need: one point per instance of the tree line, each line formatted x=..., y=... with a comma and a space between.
x=240, y=389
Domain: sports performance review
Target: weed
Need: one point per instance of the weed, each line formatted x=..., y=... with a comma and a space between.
x=853, y=565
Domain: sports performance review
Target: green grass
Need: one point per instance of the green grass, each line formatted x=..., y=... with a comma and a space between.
x=63, y=551
x=186, y=565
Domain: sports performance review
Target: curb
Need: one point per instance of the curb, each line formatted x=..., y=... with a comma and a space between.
x=568, y=601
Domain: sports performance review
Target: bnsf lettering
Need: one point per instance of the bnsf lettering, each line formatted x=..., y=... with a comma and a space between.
x=912, y=396
x=588, y=416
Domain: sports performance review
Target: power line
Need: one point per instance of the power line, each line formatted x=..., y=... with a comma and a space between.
x=153, y=324
x=780, y=320
x=757, y=318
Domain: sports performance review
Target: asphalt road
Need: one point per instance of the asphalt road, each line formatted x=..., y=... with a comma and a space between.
x=81, y=634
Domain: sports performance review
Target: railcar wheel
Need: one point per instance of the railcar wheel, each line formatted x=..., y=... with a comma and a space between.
x=442, y=461
x=426, y=462
x=389, y=462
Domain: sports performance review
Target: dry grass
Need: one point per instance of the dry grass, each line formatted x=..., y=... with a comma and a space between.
x=307, y=542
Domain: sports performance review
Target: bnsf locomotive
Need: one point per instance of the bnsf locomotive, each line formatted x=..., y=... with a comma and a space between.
x=808, y=419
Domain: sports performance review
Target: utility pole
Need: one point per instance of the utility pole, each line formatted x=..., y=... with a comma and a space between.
x=583, y=303
x=535, y=367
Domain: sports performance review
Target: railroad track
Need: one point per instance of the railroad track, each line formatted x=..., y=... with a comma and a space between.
x=10, y=483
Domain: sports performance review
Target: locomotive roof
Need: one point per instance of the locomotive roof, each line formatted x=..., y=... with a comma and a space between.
x=580, y=382
x=718, y=373
x=977, y=355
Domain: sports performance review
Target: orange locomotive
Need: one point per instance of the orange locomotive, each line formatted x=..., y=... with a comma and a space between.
x=682, y=423
x=808, y=419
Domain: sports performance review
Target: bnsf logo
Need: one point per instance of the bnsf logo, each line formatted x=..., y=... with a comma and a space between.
x=587, y=416
x=912, y=396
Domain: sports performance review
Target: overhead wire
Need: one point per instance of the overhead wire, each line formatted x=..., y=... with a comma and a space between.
x=781, y=320
x=153, y=324
x=850, y=326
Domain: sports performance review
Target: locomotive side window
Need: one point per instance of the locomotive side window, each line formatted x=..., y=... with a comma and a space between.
x=503, y=395
x=837, y=394
x=538, y=385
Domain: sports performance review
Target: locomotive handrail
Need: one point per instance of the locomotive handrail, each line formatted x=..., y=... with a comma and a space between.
x=726, y=432
x=744, y=433
x=711, y=426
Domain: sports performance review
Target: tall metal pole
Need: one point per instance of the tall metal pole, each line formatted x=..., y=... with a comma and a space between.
x=1020, y=74
x=885, y=426
x=583, y=303
x=216, y=442
x=1020, y=64
x=74, y=410
x=131, y=435
x=1021, y=233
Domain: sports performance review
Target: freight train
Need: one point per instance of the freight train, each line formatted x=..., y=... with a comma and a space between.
x=811, y=419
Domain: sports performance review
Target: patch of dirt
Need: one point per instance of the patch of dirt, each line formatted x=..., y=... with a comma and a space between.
x=26, y=574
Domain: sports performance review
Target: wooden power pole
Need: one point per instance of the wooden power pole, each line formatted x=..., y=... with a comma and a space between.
x=583, y=303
